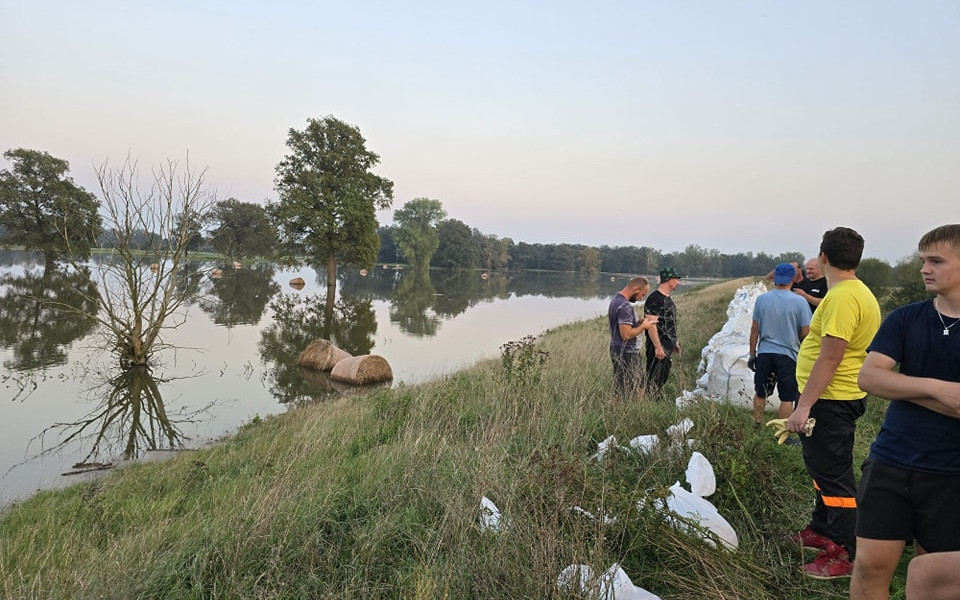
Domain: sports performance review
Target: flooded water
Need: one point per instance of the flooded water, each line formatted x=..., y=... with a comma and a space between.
x=65, y=401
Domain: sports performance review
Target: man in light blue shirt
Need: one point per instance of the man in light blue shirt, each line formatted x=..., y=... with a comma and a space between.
x=780, y=320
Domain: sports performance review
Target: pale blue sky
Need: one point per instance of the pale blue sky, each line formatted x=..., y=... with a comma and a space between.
x=735, y=125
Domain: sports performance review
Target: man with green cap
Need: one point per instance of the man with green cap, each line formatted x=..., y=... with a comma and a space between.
x=662, y=342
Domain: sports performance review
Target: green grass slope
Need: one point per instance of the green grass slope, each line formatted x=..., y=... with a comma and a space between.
x=378, y=495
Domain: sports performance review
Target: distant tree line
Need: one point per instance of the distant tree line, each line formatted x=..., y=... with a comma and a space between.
x=325, y=215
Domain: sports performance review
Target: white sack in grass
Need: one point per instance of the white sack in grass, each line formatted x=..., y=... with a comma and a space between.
x=690, y=506
x=700, y=475
x=685, y=399
x=612, y=584
x=603, y=517
x=605, y=447
x=680, y=429
x=489, y=515
x=723, y=373
x=645, y=443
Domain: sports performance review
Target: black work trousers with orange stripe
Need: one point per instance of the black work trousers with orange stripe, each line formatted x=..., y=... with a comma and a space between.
x=828, y=456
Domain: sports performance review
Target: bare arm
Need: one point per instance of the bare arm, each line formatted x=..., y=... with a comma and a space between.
x=825, y=367
x=879, y=378
x=647, y=323
x=657, y=346
x=754, y=336
x=813, y=300
x=804, y=331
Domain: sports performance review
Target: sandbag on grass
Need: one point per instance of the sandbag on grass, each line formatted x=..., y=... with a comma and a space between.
x=361, y=370
x=322, y=354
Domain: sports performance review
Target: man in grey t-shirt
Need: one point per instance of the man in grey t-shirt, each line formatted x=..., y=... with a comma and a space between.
x=624, y=329
x=780, y=320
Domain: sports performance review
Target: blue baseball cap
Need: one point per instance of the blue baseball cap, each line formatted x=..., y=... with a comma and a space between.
x=784, y=274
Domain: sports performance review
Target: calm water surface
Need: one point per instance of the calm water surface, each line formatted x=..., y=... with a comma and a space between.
x=64, y=401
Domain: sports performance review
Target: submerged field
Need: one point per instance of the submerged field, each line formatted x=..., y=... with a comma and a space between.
x=378, y=495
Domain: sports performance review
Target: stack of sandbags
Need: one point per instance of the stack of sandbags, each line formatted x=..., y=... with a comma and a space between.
x=723, y=374
x=322, y=354
x=361, y=370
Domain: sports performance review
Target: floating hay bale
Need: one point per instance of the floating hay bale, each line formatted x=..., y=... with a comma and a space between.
x=297, y=283
x=216, y=273
x=361, y=370
x=238, y=265
x=321, y=354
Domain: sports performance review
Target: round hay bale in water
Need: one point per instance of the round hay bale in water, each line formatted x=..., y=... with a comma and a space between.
x=297, y=283
x=361, y=370
x=321, y=354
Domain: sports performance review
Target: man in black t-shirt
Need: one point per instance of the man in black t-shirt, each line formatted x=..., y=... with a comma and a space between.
x=814, y=286
x=662, y=342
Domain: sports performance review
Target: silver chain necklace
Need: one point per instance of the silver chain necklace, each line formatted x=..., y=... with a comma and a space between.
x=946, y=328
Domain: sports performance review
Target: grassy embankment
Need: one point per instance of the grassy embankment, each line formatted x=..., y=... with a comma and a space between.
x=378, y=495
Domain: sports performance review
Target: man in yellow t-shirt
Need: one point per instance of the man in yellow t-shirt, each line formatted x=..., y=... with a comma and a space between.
x=828, y=363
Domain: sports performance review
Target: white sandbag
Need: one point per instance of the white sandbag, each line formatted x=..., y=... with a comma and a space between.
x=645, y=443
x=605, y=447
x=607, y=520
x=700, y=475
x=702, y=511
x=680, y=429
x=489, y=515
x=612, y=584
x=624, y=589
x=722, y=372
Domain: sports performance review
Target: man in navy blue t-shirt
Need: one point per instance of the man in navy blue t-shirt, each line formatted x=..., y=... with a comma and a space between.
x=910, y=487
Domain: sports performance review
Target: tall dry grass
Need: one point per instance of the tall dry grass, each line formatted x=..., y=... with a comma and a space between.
x=378, y=496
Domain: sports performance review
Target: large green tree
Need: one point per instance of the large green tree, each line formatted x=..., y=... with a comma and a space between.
x=875, y=274
x=416, y=233
x=241, y=229
x=329, y=196
x=457, y=249
x=43, y=210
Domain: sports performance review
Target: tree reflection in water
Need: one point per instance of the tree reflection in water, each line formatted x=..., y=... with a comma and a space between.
x=129, y=419
x=41, y=314
x=349, y=323
x=411, y=306
x=240, y=296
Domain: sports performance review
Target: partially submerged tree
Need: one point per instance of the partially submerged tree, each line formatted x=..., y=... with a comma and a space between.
x=241, y=229
x=329, y=196
x=40, y=205
x=416, y=232
x=140, y=291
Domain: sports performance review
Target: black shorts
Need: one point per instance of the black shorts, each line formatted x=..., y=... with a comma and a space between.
x=776, y=370
x=896, y=504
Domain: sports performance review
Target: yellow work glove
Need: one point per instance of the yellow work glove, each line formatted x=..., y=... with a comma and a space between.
x=781, y=432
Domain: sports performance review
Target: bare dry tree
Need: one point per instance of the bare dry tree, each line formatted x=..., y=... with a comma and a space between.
x=140, y=294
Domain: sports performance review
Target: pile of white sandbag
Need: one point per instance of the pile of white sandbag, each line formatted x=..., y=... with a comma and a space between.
x=723, y=374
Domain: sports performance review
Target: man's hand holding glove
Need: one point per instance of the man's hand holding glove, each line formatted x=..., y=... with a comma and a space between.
x=781, y=432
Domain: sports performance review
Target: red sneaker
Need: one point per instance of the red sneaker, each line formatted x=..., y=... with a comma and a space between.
x=809, y=538
x=832, y=563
